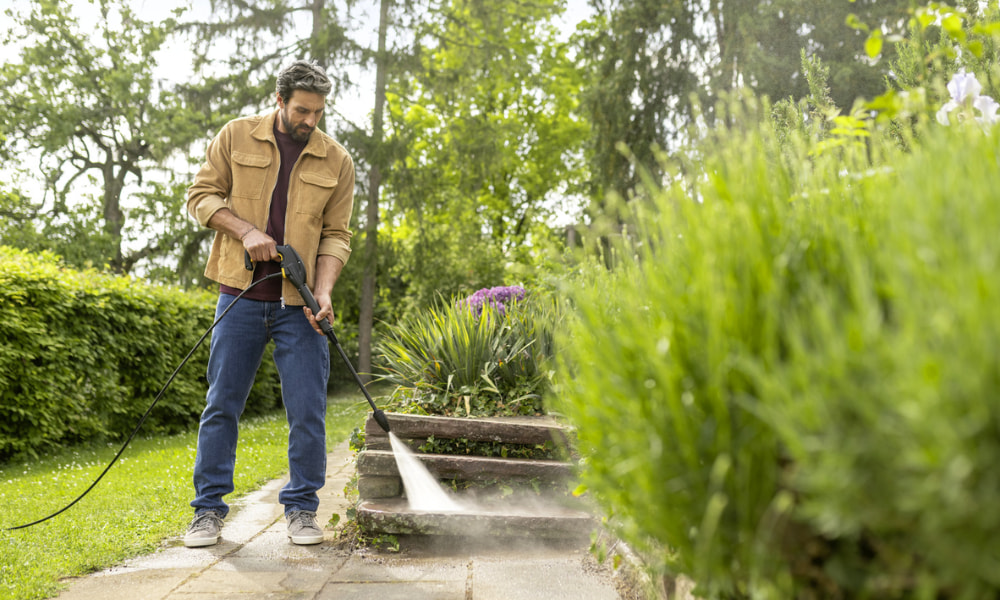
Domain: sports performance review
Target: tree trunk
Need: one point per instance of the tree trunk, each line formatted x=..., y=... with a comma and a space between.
x=370, y=276
x=114, y=218
x=318, y=10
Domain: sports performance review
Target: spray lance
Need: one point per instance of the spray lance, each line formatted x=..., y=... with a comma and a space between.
x=294, y=271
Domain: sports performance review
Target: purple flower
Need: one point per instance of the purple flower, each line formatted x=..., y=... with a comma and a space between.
x=497, y=297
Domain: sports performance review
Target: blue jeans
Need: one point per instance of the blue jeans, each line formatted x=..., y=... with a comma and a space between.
x=303, y=360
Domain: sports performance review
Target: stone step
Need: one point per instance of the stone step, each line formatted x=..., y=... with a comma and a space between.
x=507, y=430
x=536, y=520
x=468, y=468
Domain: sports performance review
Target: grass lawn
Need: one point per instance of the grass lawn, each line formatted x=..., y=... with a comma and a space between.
x=142, y=500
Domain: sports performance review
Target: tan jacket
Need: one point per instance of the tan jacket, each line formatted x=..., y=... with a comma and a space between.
x=240, y=173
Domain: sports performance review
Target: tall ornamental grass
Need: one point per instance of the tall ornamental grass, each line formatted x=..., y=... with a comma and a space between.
x=787, y=388
x=486, y=355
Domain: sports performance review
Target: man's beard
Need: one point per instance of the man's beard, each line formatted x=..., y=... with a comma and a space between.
x=300, y=134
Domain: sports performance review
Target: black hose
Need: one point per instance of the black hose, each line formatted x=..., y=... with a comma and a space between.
x=148, y=410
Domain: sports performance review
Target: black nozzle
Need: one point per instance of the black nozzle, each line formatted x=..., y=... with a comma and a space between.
x=379, y=417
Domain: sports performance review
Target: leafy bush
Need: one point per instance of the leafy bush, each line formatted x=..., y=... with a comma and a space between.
x=84, y=353
x=484, y=355
x=788, y=393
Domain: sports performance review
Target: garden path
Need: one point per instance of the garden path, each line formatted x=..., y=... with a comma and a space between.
x=256, y=560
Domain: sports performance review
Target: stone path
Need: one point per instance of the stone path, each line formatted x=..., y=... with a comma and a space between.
x=256, y=560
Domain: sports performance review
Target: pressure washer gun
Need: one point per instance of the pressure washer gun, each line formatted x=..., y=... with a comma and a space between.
x=294, y=270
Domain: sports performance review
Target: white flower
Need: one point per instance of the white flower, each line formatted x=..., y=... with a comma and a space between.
x=964, y=89
x=988, y=107
x=964, y=85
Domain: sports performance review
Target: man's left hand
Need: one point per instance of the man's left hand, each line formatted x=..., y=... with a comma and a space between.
x=325, y=312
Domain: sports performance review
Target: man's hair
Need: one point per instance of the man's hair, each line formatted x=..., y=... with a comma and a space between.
x=302, y=75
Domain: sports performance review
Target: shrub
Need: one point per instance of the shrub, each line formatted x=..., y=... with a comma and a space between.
x=483, y=355
x=788, y=393
x=84, y=354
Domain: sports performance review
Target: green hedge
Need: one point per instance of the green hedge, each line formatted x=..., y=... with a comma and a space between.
x=83, y=354
x=791, y=391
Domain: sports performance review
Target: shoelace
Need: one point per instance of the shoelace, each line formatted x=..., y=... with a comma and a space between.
x=302, y=519
x=204, y=521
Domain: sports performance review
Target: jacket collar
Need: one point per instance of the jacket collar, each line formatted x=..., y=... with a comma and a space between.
x=264, y=131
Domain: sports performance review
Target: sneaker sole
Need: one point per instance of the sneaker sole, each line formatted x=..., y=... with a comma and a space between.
x=200, y=543
x=306, y=540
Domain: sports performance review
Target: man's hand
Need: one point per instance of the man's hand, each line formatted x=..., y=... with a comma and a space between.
x=325, y=312
x=328, y=270
x=260, y=246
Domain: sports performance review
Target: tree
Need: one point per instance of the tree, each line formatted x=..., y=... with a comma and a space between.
x=264, y=37
x=770, y=37
x=369, y=279
x=86, y=104
x=491, y=141
x=648, y=59
x=641, y=58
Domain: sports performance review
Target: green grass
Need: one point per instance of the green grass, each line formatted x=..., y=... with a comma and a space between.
x=143, y=499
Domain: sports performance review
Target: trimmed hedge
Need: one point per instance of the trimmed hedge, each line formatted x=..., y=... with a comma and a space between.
x=83, y=354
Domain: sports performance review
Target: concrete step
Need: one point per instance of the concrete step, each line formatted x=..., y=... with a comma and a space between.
x=534, y=518
x=499, y=497
x=508, y=430
x=468, y=468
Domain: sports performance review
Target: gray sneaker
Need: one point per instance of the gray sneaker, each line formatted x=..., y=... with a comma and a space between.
x=204, y=530
x=302, y=527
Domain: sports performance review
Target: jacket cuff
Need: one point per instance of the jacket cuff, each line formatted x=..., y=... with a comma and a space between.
x=334, y=247
x=208, y=206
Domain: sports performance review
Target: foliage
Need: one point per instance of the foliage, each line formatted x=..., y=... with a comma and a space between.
x=779, y=360
x=650, y=65
x=798, y=403
x=639, y=57
x=941, y=41
x=487, y=143
x=84, y=354
x=453, y=360
x=83, y=107
x=142, y=501
x=768, y=40
x=546, y=451
x=264, y=38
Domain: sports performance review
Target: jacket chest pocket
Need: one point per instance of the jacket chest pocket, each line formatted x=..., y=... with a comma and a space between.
x=315, y=190
x=249, y=175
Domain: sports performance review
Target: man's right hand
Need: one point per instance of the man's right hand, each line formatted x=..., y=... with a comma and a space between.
x=260, y=246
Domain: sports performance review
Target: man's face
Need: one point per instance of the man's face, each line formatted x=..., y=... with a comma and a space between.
x=300, y=114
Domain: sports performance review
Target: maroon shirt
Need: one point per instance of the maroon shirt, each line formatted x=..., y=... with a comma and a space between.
x=270, y=290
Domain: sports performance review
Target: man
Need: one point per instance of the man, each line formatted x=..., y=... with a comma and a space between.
x=269, y=180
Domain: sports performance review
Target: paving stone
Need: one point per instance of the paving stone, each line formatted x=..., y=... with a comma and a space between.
x=433, y=590
x=551, y=578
